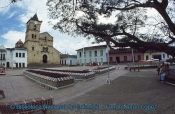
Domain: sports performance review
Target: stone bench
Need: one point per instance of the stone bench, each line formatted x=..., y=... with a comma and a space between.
x=134, y=68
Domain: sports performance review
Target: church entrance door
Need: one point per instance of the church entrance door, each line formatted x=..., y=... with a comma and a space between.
x=44, y=58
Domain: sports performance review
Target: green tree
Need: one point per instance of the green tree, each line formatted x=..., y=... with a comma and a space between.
x=131, y=22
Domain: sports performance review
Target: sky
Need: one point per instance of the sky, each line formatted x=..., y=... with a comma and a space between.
x=13, y=20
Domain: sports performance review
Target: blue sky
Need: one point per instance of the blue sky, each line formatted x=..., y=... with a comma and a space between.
x=13, y=25
x=10, y=21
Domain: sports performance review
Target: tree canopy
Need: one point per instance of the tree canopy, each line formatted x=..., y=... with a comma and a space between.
x=140, y=24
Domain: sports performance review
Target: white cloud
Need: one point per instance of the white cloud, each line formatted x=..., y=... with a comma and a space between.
x=11, y=15
x=12, y=37
x=62, y=42
x=4, y=6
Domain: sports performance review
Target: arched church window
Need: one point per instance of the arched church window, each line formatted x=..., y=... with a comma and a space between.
x=32, y=35
x=45, y=38
x=34, y=27
x=33, y=48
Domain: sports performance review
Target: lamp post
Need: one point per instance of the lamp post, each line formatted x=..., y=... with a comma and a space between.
x=132, y=55
x=68, y=62
x=108, y=81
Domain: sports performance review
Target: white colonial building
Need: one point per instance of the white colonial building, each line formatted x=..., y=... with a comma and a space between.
x=16, y=58
x=162, y=56
x=68, y=59
x=94, y=54
x=13, y=57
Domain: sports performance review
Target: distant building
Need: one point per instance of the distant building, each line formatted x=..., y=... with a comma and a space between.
x=68, y=59
x=93, y=54
x=162, y=56
x=3, y=54
x=39, y=46
x=13, y=57
x=97, y=54
x=125, y=55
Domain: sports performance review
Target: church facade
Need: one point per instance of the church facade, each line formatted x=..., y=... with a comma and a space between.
x=39, y=46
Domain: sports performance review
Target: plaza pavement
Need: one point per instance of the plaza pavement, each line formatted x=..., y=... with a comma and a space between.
x=134, y=88
x=130, y=88
x=18, y=87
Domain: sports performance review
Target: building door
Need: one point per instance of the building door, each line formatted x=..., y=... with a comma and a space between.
x=110, y=59
x=118, y=59
x=125, y=59
x=139, y=57
x=44, y=58
x=8, y=64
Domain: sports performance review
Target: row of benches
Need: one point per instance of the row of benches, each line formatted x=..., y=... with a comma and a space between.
x=22, y=107
x=101, y=70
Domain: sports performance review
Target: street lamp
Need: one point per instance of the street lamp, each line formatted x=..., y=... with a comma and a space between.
x=132, y=55
x=107, y=53
x=83, y=57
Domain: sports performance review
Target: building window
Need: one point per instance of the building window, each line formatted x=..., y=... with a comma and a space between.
x=90, y=54
x=16, y=54
x=147, y=57
x=95, y=53
x=16, y=65
x=19, y=54
x=101, y=52
x=125, y=59
x=45, y=49
x=33, y=48
x=139, y=57
x=3, y=58
x=19, y=65
x=35, y=36
x=80, y=54
x=23, y=65
x=23, y=54
x=163, y=55
x=32, y=35
x=34, y=27
x=45, y=39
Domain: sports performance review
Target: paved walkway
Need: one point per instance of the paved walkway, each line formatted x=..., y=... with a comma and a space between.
x=134, y=88
x=19, y=87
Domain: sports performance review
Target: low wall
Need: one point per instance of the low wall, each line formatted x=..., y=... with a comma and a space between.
x=49, y=82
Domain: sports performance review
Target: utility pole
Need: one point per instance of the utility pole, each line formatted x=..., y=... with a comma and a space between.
x=107, y=53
